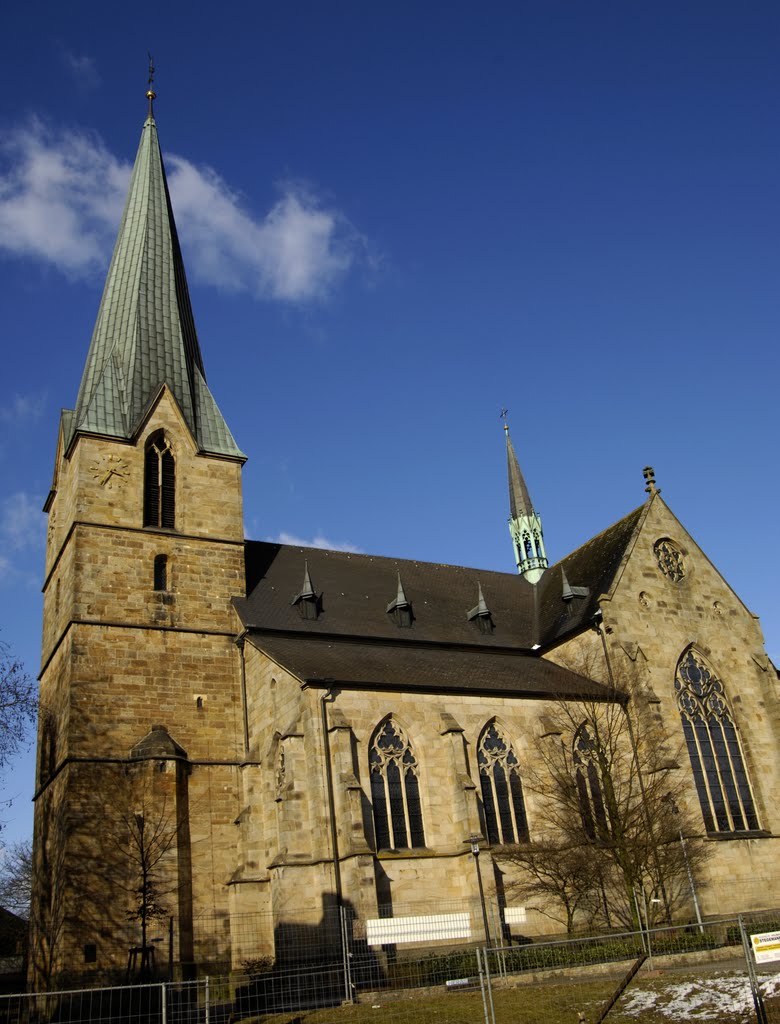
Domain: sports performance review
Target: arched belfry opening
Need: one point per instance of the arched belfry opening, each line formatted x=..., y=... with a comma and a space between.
x=159, y=483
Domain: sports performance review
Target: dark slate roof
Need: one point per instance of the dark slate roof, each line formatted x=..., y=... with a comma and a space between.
x=592, y=566
x=352, y=640
x=145, y=335
x=354, y=591
x=424, y=667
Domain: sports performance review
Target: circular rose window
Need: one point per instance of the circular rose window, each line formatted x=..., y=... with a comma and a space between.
x=670, y=560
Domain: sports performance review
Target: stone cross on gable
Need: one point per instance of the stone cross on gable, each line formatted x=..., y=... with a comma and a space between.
x=649, y=475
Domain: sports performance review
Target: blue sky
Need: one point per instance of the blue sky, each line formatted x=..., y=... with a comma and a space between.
x=396, y=219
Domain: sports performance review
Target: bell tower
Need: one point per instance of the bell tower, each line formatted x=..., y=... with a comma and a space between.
x=144, y=555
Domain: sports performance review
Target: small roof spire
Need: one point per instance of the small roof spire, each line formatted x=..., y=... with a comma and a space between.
x=568, y=591
x=307, y=599
x=151, y=95
x=525, y=524
x=401, y=607
x=480, y=608
x=307, y=590
x=480, y=613
x=400, y=598
x=519, y=498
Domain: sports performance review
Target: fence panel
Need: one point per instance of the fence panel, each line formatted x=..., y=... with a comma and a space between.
x=399, y=972
x=687, y=973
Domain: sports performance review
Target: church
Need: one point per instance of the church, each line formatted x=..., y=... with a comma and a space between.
x=239, y=740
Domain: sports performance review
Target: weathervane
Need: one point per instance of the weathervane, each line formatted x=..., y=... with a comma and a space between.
x=502, y=415
x=151, y=95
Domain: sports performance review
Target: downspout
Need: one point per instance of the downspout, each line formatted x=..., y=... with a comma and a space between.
x=334, y=842
x=240, y=643
x=597, y=623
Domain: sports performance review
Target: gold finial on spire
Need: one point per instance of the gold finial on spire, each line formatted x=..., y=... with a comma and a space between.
x=649, y=475
x=502, y=415
x=151, y=95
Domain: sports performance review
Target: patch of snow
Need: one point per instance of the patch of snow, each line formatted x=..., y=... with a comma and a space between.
x=703, y=999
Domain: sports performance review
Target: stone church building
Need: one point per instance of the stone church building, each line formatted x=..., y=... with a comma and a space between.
x=242, y=735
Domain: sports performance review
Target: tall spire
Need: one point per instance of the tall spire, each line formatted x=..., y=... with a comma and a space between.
x=525, y=525
x=145, y=335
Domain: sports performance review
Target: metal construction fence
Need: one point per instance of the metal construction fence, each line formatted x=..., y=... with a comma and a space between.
x=708, y=971
x=247, y=944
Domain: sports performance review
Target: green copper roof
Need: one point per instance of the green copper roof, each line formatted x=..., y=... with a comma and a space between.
x=145, y=335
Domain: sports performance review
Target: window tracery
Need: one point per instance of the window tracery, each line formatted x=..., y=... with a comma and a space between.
x=502, y=790
x=718, y=764
x=589, y=784
x=395, y=789
x=670, y=560
x=159, y=483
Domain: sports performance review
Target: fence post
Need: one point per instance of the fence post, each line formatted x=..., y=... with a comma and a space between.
x=485, y=955
x=488, y=1013
x=207, y=1014
x=346, y=954
x=758, y=1000
x=163, y=1004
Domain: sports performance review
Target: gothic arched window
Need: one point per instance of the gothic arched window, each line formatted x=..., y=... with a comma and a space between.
x=719, y=771
x=502, y=790
x=159, y=483
x=589, y=784
x=395, y=789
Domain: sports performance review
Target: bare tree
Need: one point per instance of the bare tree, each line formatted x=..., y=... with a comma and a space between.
x=143, y=833
x=18, y=704
x=611, y=792
x=561, y=879
x=16, y=877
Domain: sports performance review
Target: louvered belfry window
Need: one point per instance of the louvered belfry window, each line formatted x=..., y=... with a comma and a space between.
x=395, y=789
x=714, y=747
x=159, y=483
x=502, y=790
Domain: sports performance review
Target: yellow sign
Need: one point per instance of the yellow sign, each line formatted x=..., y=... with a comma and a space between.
x=766, y=946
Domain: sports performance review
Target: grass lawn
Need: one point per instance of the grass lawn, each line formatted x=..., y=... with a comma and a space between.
x=667, y=997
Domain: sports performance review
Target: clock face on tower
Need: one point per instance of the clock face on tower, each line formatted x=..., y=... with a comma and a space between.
x=109, y=470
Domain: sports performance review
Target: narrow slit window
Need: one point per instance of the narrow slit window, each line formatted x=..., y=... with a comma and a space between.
x=161, y=572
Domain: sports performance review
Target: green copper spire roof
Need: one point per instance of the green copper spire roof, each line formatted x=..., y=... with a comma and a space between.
x=145, y=335
x=525, y=524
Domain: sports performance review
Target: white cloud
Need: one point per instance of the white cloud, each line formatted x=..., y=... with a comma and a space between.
x=299, y=250
x=22, y=524
x=83, y=69
x=61, y=198
x=58, y=197
x=23, y=408
x=318, y=542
